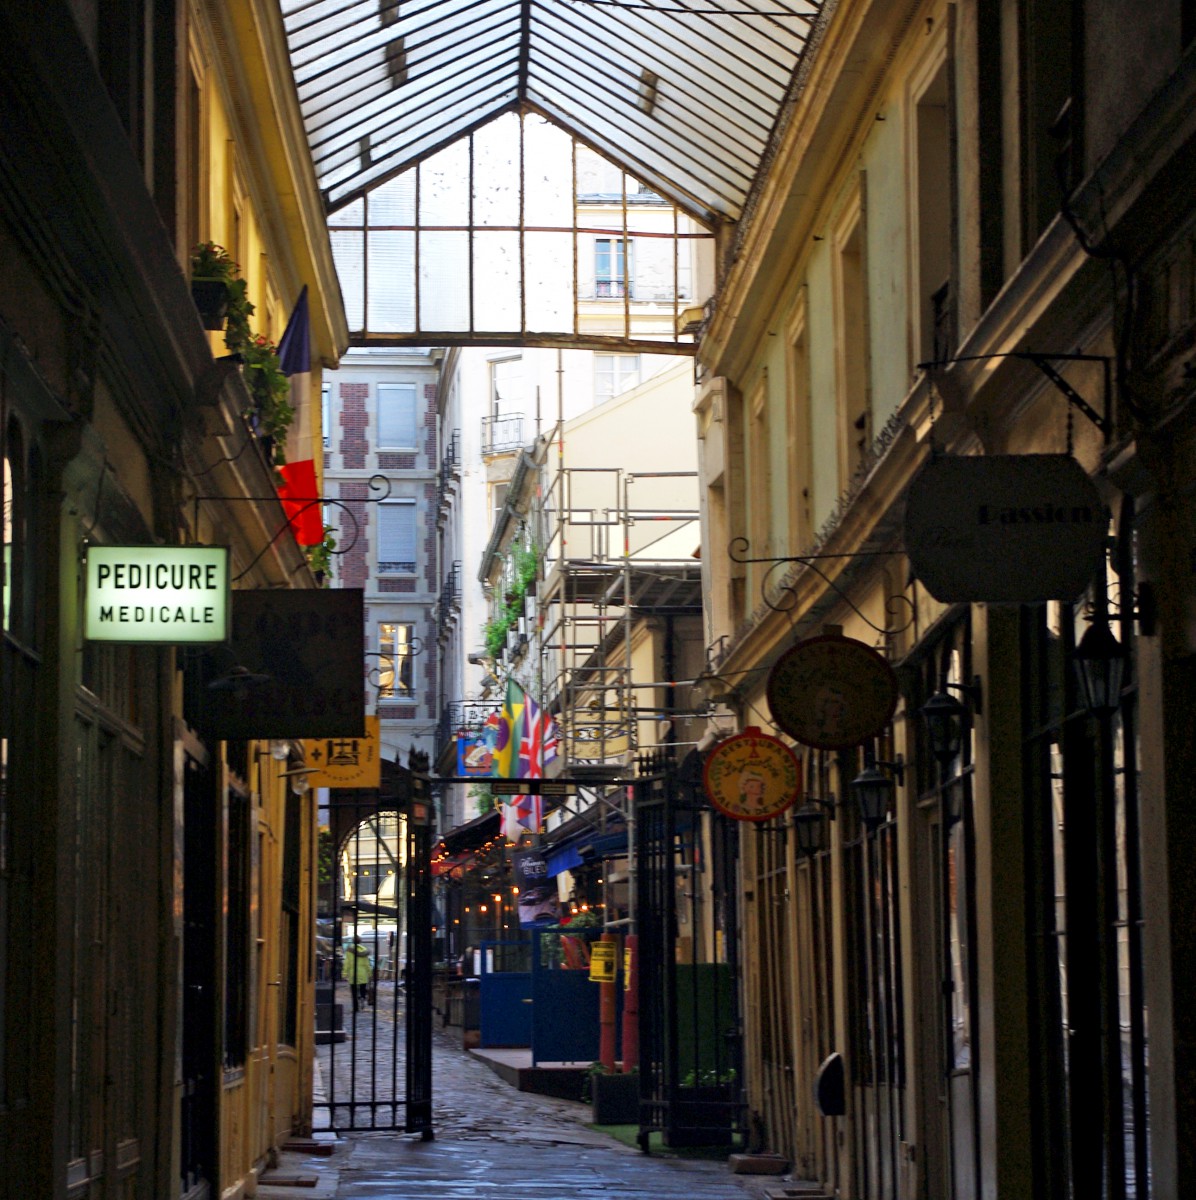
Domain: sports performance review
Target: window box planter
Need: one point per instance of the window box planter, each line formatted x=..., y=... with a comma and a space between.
x=211, y=299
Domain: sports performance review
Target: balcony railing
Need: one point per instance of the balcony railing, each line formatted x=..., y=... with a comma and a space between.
x=450, y=594
x=500, y=435
x=450, y=468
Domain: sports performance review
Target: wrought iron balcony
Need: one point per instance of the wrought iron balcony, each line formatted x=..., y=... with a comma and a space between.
x=450, y=469
x=450, y=594
x=501, y=435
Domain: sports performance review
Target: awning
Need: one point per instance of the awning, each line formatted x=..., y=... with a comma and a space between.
x=456, y=847
x=586, y=848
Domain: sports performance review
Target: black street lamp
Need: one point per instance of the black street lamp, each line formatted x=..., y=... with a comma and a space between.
x=944, y=716
x=809, y=826
x=873, y=789
x=1100, y=667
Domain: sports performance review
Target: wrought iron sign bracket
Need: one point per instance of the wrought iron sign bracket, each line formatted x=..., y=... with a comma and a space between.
x=377, y=483
x=738, y=551
x=1046, y=364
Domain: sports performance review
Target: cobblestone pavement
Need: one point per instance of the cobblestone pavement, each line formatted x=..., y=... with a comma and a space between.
x=491, y=1141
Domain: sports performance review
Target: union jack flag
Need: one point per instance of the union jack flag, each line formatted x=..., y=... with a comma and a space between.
x=531, y=742
x=550, y=739
x=522, y=814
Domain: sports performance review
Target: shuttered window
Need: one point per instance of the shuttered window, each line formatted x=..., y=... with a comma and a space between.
x=396, y=416
x=396, y=537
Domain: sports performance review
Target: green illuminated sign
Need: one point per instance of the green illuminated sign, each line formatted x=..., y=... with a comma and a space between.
x=166, y=595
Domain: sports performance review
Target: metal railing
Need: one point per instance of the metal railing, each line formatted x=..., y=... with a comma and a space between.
x=502, y=434
x=450, y=467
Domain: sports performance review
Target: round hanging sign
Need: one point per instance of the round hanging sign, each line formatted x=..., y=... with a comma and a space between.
x=832, y=692
x=752, y=776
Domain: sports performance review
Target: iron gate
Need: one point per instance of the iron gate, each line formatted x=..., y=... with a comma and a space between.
x=691, y=1044
x=374, y=959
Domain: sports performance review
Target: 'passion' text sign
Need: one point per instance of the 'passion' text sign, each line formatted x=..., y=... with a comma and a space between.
x=1005, y=528
x=168, y=595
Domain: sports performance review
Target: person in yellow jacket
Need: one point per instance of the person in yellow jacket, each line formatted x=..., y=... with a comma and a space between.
x=359, y=970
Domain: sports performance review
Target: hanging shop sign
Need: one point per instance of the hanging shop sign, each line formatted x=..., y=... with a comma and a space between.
x=346, y=762
x=752, y=776
x=538, y=904
x=157, y=595
x=1005, y=528
x=602, y=962
x=292, y=668
x=832, y=692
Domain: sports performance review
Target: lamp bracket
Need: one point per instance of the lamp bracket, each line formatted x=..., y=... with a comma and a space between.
x=897, y=766
x=1046, y=364
x=974, y=692
x=738, y=551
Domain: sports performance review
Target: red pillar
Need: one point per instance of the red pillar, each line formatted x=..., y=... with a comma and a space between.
x=631, y=1003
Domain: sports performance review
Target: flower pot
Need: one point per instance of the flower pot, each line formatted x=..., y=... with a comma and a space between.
x=211, y=299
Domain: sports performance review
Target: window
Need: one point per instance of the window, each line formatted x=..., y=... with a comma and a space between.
x=396, y=537
x=396, y=416
x=498, y=497
x=936, y=306
x=612, y=266
x=797, y=426
x=758, y=487
x=506, y=386
x=396, y=677
x=614, y=374
x=851, y=321
x=326, y=413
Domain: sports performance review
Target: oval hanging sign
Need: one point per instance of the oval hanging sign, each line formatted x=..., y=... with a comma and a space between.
x=1004, y=528
x=752, y=776
x=832, y=692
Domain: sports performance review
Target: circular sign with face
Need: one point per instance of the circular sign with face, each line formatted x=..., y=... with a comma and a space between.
x=752, y=776
x=832, y=692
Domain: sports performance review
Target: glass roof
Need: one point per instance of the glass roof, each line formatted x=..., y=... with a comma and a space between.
x=684, y=94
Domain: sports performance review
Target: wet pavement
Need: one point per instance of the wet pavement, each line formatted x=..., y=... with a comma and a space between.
x=491, y=1141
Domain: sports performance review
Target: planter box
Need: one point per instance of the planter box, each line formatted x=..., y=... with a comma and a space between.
x=616, y=1099
x=211, y=299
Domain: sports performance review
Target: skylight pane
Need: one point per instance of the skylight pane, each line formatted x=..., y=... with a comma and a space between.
x=393, y=203
x=443, y=187
x=391, y=282
x=348, y=252
x=549, y=283
x=548, y=155
x=496, y=172
x=496, y=266
x=444, y=281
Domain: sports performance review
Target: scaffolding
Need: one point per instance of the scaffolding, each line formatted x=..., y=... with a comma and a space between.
x=618, y=547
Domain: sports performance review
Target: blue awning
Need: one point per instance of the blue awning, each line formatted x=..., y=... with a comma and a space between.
x=584, y=848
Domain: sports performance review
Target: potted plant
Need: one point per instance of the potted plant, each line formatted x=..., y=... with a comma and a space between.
x=271, y=391
x=216, y=286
